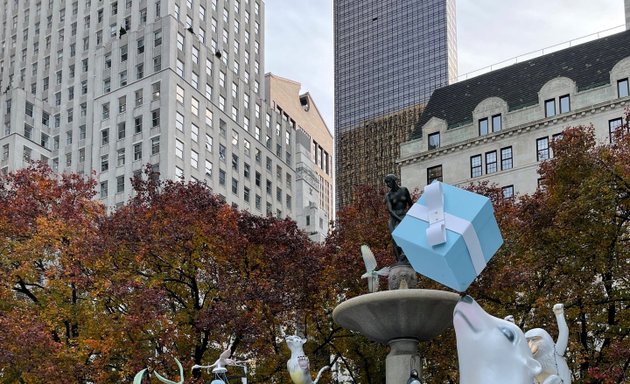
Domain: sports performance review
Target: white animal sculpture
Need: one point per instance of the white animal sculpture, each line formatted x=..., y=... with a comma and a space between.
x=371, y=273
x=138, y=378
x=223, y=361
x=549, y=354
x=491, y=350
x=298, y=364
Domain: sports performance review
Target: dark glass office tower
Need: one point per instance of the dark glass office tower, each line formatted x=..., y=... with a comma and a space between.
x=389, y=57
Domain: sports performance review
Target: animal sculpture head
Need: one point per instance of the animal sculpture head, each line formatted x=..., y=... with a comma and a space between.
x=295, y=343
x=540, y=342
x=491, y=350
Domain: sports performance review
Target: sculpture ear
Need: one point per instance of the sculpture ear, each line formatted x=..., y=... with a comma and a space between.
x=534, y=366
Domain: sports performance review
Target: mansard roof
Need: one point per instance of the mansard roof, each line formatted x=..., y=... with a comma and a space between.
x=588, y=64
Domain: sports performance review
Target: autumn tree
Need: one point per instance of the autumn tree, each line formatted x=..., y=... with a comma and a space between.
x=47, y=231
x=199, y=276
x=568, y=243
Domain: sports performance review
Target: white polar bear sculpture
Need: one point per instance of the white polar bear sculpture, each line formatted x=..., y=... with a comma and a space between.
x=298, y=364
x=549, y=354
x=491, y=350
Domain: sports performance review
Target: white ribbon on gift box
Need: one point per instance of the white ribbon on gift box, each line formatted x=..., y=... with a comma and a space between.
x=439, y=221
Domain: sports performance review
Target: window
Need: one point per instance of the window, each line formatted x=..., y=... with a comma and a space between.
x=155, y=145
x=491, y=162
x=195, y=54
x=434, y=173
x=122, y=104
x=221, y=151
x=140, y=71
x=139, y=97
x=180, y=68
x=234, y=186
x=140, y=45
x=221, y=177
x=157, y=63
x=155, y=90
x=234, y=162
x=550, y=108
x=180, y=41
x=194, y=159
x=179, y=121
x=246, y=170
x=104, y=163
x=137, y=124
x=157, y=38
x=123, y=78
x=475, y=166
x=180, y=94
x=105, y=136
x=542, y=148
x=565, y=104
x=434, y=140
x=508, y=191
x=179, y=173
x=179, y=148
x=104, y=188
x=246, y=194
x=155, y=118
x=123, y=53
x=622, y=88
x=483, y=126
x=506, y=158
x=194, y=106
x=121, y=157
x=257, y=178
x=613, y=128
x=194, y=132
x=269, y=187
x=496, y=123
x=121, y=130
x=120, y=184
x=105, y=111
x=29, y=109
x=208, y=168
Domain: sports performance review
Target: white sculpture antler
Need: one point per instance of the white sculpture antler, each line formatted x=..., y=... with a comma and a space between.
x=371, y=273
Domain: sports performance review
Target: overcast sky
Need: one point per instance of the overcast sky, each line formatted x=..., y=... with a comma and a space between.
x=299, y=35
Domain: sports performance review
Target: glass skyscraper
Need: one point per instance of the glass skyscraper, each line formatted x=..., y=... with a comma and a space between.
x=389, y=56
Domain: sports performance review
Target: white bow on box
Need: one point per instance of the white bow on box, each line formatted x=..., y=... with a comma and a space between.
x=439, y=221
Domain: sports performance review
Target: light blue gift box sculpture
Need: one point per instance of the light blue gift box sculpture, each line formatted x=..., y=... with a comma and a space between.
x=449, y=235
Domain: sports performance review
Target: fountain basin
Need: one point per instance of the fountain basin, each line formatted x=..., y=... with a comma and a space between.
x=419, y=314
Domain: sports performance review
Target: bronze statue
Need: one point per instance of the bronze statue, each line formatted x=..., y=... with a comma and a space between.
x=398, y=201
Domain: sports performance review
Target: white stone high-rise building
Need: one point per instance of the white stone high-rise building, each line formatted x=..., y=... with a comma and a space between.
x=110, y=86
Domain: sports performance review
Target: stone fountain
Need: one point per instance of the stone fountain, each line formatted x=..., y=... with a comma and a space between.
x=400, y=318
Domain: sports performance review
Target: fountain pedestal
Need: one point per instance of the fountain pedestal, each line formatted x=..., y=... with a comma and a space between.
x=400, y=318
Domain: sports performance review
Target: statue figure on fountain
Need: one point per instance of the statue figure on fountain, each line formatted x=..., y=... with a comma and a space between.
x=398, y=201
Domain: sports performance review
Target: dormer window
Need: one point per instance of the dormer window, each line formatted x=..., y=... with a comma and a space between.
x=434, y=140
x=564, y=103
x=496, y=123
x=550, y=107
x=484, y=125
x=622, y=87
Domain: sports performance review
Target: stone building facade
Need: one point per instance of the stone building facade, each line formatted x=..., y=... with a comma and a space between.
x=499, y=126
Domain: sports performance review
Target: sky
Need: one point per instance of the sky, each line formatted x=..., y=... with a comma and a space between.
x=299, y=36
